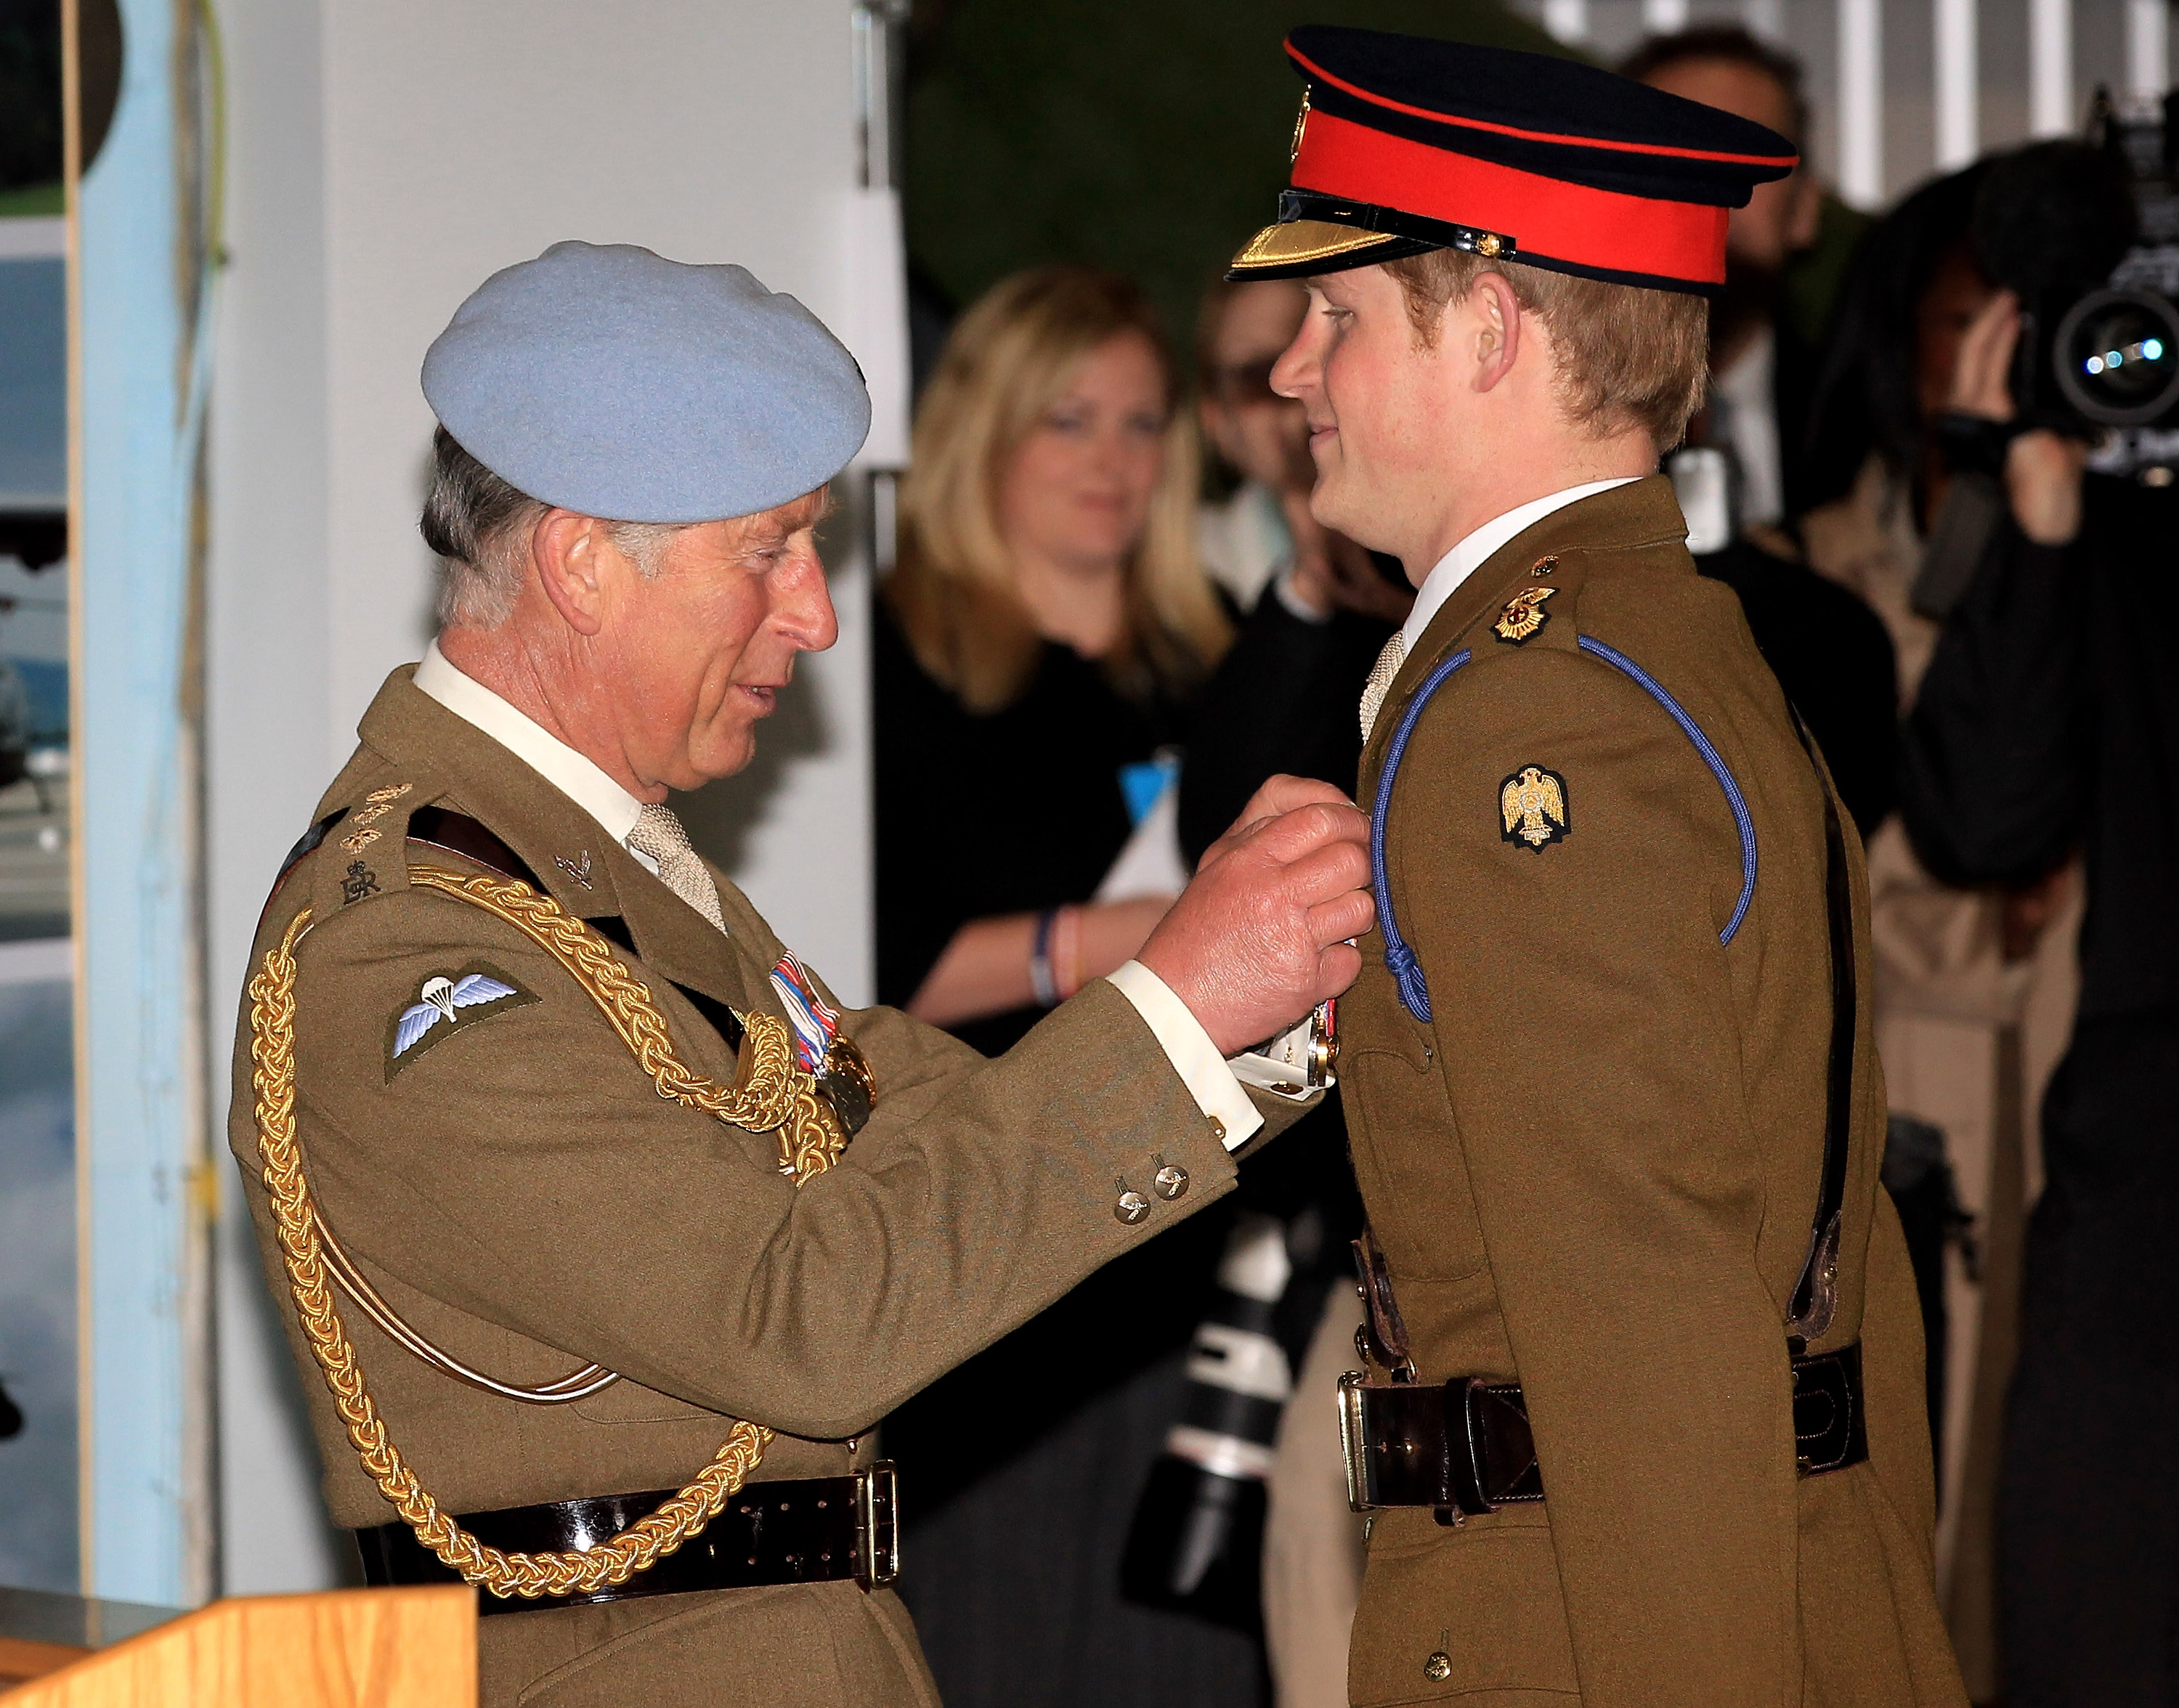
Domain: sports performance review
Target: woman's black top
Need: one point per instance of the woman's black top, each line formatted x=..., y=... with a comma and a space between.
x=1006, y=811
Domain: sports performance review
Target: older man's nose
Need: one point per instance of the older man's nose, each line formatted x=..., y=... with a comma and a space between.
x=804, y=610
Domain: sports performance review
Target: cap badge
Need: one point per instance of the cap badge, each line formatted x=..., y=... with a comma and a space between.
x=1533, y=804
x=1301, y=124
x=446, y=1003
x=1525, y=615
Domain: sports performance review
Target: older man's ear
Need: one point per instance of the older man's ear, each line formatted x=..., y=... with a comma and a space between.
x=572, y=553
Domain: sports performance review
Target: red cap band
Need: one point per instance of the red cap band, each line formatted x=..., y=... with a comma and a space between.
x=1547, y=217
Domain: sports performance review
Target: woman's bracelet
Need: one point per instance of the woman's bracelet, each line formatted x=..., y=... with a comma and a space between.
x=1041, y=980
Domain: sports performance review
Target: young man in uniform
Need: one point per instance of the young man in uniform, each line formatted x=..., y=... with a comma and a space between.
x=548, y=1136
x=1643, y=1420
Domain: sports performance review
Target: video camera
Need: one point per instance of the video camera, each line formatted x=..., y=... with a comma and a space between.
x=2089, y=237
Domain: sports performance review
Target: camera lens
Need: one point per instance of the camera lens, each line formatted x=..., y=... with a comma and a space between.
x=2117, y=357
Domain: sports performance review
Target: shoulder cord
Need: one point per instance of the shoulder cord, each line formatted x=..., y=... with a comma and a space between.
x=1814, y=1298
x=767, y=1096
x=1399, y=957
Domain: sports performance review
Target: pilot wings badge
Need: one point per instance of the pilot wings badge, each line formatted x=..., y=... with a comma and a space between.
x=447, y=1003
x=1533, y=804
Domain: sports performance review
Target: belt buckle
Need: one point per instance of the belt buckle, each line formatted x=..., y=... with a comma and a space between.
x=877, y=1525
x=1360, y=1488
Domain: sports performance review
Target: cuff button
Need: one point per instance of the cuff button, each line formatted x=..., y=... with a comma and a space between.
x=1131, y=1207
x=1171, y=1182
x=1217, y=1132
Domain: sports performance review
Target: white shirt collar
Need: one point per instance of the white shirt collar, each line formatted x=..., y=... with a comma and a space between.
x=1470, y=555
x=579, y=779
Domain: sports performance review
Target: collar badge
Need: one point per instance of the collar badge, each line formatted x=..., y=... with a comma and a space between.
x=1525, y=615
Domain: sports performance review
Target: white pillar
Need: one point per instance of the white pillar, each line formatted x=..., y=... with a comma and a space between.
x=1764, y=18
x=2051, y=108
x=1664, y=17
x=1957, y=84
x=1861, y=101
x=1567, y=20
x=2147, y=47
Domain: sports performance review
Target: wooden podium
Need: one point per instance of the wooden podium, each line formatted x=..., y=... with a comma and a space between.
x=345, y=1649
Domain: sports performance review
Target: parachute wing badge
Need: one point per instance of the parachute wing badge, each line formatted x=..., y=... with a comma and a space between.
x=444, y=1003
x=1532, y=805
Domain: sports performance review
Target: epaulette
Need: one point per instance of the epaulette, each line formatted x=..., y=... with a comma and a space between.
x=358, y=851
x=1541, y=612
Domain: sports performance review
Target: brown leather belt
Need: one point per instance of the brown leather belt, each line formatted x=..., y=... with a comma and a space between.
x=810, y=1531
x=1465, y=1448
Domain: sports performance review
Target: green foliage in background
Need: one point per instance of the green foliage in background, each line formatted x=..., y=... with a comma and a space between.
x=1149, y=139
x=37, y=201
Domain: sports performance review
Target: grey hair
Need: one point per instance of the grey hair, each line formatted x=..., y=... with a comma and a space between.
x=480, y=525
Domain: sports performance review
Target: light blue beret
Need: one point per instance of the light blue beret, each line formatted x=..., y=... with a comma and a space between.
x=604, y=379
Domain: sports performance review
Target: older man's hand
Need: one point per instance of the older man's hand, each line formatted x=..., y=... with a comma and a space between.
x=1258, y=938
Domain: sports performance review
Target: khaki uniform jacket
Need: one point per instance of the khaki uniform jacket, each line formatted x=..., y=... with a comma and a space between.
x=517, y=1188
x=1595, y=1171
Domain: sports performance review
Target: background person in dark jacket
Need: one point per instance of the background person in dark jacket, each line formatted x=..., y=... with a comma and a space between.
x=2049, y=721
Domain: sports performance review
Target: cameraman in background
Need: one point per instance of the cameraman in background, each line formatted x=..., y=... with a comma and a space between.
x=2049, y=721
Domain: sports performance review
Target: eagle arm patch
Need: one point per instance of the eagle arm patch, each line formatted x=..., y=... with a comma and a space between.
x=1532, y=808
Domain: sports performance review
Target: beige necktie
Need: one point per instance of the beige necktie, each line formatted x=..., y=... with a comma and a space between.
x=658, y=833
x=1381, y=679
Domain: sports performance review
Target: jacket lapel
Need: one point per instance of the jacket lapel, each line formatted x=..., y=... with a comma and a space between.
x=581, y=866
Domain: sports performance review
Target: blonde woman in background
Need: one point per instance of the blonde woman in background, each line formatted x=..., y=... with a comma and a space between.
x=1044, y=633
x=1037, y=654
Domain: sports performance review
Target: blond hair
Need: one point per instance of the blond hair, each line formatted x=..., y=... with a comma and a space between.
x=1626, y=355
x=1008, y=361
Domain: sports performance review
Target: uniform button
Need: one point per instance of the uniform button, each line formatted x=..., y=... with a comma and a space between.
x=1171, y=1182
x=1438, y=1668
x=1217, y=1130
x=1131, y=1207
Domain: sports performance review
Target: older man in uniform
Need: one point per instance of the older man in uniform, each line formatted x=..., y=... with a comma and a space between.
x=1643, y=1420
x=549, y=1136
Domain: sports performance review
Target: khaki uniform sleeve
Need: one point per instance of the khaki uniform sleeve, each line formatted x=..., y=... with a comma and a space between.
x=1586, y=1018
x=904, y=1053
x=526, y=1170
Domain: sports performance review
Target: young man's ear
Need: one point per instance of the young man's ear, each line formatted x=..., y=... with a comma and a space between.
x=565, y=546
x=1494, y=315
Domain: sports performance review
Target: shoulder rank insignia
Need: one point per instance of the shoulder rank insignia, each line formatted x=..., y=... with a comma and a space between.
x=1523, y=616
x=1533, y=803
x=447, y=1004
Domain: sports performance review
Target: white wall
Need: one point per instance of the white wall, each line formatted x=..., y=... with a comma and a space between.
x=385, y=158
x=2100, y=35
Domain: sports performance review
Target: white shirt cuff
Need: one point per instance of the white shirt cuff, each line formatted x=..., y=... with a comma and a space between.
x=1189, y=1048
x=1297, y=606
